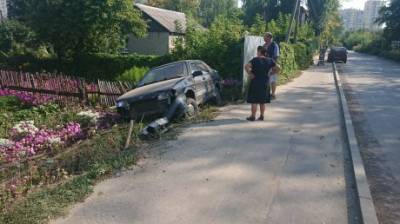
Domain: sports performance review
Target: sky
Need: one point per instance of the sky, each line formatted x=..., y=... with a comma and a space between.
x=357, y=4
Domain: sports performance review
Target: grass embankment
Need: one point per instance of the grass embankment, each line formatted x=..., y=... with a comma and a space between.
x=82, y=166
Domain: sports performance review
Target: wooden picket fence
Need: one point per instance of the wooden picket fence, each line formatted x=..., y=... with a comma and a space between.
x=65, y=89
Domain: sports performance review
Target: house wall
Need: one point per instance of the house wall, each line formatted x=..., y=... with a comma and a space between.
x=155, y=43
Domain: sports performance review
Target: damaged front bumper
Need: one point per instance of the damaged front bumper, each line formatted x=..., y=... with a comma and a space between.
x=176, y=110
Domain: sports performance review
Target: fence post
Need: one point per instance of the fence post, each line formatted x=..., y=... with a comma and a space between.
x=32, y=80
x=82, y=91
x=99, y=85
x=1, y=78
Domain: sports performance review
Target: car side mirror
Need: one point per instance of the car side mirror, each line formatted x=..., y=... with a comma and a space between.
x=197, y=73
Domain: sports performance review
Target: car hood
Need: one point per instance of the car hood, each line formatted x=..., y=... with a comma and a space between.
x=150, y=89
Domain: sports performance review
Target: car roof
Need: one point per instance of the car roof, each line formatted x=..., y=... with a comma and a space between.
x=339, y=48
x=175, y=62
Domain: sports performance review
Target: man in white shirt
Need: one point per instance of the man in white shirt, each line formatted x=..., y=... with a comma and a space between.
x=273, y=52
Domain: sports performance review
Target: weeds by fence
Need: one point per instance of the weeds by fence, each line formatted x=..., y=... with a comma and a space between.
x=65, y=89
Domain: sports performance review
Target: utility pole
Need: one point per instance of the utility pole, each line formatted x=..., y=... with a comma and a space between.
x=296, y=28
x=296, y=6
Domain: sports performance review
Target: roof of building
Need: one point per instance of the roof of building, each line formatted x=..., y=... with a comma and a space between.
x=166, y=18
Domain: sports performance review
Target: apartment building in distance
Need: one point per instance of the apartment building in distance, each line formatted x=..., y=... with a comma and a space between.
x=371, y=13
x=353, y=19
x=3, y=9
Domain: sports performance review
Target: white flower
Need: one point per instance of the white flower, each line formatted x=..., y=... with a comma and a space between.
x=90, y=114
x=6, y=142
x=25, y=127
x=55, y=140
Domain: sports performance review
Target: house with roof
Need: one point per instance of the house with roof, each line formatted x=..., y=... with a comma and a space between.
x=164, y=27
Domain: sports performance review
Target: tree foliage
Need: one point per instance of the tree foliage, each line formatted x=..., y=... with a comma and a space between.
x=219, y=46
x=211, y=9
x=80, y=27
x=15, y=38
x=358, y=39
x=389, y=15
x=326, y=20
x=268, y=9
x=187, y=6
x=205, y=11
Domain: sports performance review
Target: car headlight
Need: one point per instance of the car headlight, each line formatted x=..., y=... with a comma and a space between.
x=122, y=103
x=163, y=96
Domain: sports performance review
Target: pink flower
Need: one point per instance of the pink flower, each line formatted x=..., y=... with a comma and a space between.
x=27, y=98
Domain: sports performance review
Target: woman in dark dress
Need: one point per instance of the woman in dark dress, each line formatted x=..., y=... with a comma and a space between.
x=259, y=94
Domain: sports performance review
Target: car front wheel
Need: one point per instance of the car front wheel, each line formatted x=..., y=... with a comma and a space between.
x=192, y=110
x=218, y=97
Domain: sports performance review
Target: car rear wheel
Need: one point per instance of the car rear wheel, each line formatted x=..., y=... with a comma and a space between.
x=217, y=100
x=192, y=110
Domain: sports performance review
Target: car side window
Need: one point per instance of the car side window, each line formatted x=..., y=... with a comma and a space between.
x=173, y=70
x=195, y=67
x=164, y=73
x=204, y=67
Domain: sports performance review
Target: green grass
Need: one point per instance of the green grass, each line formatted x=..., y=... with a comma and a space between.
x=49, y=115
x=86, y=164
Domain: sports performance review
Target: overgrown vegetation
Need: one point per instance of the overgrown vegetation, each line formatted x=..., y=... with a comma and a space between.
x=69, y=29
x=90, y=67
x=74, y=173
x=383, y=43
x=43, y=187
x=62, y=167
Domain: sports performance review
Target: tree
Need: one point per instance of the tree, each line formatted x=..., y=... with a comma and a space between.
x=210, y=9
x=204, y=11
x=252, y=8
x=259, y=26
x=269, y=9
x=219, y=46
x=326, y=21
x=279, y=26
x=189, y=7
x=15, y=38
x=389, y=15
x=80, y=27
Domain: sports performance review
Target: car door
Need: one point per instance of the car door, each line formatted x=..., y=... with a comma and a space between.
x=200, y=82
x=209, y=79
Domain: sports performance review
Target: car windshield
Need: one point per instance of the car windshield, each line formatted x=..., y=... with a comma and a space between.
x=164, y=73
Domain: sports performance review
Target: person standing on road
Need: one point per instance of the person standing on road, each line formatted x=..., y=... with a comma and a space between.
x=259, y=92
x=273, y=52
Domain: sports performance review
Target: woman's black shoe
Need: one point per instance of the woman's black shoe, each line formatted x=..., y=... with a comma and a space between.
x=251, y=118
x=261, y=118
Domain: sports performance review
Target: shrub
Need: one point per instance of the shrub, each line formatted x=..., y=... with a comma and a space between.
x=287, y=61
x=15, y=37
x=90, y=67
x=303, y=55
x=220, y=46
x=134, y=74
x=394, y=55
x=10, y=102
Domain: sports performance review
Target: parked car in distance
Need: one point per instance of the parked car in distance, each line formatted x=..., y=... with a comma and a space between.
x=172, y=90
x=337, y=54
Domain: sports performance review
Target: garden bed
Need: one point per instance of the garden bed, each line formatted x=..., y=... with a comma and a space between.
x=51, y=156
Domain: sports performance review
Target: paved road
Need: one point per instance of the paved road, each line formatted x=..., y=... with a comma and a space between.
x=287, y=169
x=372, y=87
